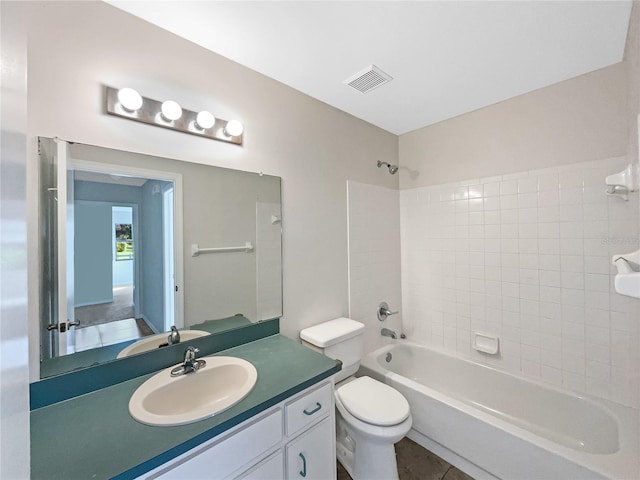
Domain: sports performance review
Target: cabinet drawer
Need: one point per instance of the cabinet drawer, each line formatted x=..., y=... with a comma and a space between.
x=226, y=455
x=308, y=408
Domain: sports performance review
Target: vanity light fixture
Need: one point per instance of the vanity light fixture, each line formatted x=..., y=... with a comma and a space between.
x=234, y=128
x=128, y=103
x=130, y=99
x=205, y=120
x=171, y=110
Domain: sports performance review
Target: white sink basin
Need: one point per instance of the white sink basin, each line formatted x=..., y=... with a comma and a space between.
x=164, y=400
x=154, y=342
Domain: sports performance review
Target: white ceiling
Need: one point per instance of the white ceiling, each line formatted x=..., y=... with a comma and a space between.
x=446, y=58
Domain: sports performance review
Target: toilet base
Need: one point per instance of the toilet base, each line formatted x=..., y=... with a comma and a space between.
x=364, y=458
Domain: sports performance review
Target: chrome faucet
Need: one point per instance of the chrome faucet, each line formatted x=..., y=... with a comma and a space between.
x=190, y=363
x=385, y=332
x=174, y=336
x=384, y=311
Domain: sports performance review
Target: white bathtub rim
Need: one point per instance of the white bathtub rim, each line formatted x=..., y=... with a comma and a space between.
x=610, y=465
x=606, y=405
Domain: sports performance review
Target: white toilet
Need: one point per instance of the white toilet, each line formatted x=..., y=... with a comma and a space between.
x=371, y=416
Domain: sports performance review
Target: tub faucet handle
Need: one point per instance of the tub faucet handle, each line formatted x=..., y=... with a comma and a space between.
x=384, y=312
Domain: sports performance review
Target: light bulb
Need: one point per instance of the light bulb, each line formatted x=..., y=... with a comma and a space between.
x=171, y=110
x=205, y=120
x=129, y=99
x=234, y=128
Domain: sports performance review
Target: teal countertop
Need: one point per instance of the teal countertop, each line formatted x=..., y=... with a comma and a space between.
x=222, y=324
x=94, y=437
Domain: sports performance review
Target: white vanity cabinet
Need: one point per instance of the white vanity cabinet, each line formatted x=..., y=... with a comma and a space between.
x=292, y=440
x=311, y=456
x=308, y=453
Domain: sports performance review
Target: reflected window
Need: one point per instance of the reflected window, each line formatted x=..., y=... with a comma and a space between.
x=124, y=241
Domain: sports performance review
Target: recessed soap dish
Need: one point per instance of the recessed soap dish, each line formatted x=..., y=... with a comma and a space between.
x=489, y=344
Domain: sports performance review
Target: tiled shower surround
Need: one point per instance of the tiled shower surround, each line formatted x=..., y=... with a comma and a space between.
x=527, y=257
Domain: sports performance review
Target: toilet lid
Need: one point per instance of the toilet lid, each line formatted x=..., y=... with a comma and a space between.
x=373, y=402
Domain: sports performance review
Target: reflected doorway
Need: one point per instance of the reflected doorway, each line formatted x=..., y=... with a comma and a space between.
x=105, y=262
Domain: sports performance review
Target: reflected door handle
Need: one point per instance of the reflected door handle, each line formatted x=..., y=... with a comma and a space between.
x=52, y=326
x=74, y=324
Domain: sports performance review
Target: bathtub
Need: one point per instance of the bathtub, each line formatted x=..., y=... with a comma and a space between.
x=492, y=424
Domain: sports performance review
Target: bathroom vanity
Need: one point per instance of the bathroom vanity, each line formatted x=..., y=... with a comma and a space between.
x=285, y=428
x=295, y=439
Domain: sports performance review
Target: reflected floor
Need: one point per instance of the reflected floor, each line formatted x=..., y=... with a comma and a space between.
x=120, y=308
x=111, y=333
x=417, y=463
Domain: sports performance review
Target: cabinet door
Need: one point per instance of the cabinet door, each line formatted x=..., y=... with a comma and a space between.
x=312, y=456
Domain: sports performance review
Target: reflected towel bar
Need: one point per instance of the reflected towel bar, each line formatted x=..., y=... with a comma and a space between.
x=195, y=250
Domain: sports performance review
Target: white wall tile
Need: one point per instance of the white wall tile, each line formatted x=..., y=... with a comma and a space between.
x=548, y=198
x=548, y=213
x=509, y=215
x=509, y=187
x=549, y=262
x=527, y=200
x=548, y=181
x=528, y=257
x=549, y=278
x=528, y=185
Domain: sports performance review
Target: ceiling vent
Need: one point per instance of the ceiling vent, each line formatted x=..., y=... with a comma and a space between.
x=368, y=79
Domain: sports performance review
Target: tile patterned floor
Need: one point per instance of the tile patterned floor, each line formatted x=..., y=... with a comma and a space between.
x=417, y=463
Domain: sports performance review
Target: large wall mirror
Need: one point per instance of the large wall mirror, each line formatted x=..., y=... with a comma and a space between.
x=134, y=247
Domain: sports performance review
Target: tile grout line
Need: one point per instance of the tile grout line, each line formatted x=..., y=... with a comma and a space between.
x=445, y=473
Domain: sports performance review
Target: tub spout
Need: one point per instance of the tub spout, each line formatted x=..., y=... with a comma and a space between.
x=385, y=332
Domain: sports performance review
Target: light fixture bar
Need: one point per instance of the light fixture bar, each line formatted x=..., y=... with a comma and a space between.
x=151, y=112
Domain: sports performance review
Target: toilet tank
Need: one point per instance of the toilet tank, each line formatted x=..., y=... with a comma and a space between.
x=341, y=339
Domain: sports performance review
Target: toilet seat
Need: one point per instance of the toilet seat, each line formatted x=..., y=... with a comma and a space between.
x=373, y=402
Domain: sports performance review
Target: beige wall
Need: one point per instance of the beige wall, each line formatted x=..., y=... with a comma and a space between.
x=581, y=119
x=76, y=47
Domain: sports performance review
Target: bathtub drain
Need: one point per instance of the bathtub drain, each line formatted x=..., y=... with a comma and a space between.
x=388, y=357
